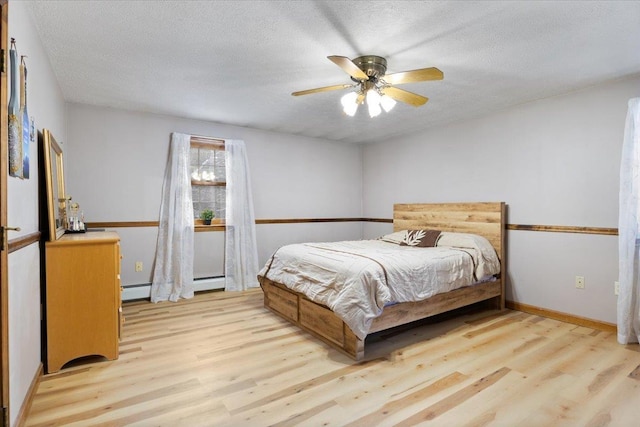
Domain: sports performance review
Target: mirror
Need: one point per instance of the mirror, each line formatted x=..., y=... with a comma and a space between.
x=54, y=176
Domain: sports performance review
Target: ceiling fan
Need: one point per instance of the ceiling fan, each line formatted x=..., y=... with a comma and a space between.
x=373, y=85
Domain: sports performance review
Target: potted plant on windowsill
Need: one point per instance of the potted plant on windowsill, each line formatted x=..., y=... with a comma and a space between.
x=206, y=216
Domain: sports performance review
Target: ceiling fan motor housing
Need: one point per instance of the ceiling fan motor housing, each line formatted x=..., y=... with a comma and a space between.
x=373, y=66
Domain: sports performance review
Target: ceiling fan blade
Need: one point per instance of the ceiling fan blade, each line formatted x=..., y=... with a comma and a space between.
x=349, y=67
x=420, y=75
x=321, y=89
x=405, y=96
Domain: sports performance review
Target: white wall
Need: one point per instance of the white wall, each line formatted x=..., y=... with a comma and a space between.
x=554, y=162
x=115, y=164
x=46, y=105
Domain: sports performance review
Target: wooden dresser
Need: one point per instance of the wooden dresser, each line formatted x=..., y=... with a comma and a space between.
x=83, y=300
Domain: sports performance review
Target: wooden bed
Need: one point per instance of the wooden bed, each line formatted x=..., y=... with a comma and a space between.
x=485, y=219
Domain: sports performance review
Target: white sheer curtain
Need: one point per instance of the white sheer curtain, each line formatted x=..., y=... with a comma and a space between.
x=241, y=253
x=629, y=295
x=173, y=273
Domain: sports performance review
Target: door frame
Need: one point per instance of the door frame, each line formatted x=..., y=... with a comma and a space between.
x=4, y=272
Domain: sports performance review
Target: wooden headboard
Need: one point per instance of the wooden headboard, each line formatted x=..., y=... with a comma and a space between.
x=487, y=219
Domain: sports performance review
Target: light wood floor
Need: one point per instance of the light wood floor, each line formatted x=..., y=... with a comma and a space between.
x=222, y=359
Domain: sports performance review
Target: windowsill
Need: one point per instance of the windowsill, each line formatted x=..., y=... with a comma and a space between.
x=219, y=226
x=208, y=183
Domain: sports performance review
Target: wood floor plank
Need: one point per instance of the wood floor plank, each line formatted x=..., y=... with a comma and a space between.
x=306, y=401
x=455, y=399
x=300, y=387
x=635, y=374
x=90, y=411
x=221, y=359
x=298, y=419
x=513, y=404
x=393, y=406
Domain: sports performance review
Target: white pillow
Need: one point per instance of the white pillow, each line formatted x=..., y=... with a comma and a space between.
x=488, y=262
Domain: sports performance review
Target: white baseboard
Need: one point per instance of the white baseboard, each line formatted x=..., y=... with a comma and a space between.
x=144, y=291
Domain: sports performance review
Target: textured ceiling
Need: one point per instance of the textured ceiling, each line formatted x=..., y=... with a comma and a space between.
x=237, y=62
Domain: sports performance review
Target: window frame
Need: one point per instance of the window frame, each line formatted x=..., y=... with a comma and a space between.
x=208, y=143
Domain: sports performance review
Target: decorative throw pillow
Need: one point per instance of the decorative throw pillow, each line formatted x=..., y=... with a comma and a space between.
x=421, y=238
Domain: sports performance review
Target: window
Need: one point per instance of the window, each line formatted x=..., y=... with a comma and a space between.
x=208, y=186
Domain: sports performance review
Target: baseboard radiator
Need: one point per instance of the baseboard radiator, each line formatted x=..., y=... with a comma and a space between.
x=143, y=291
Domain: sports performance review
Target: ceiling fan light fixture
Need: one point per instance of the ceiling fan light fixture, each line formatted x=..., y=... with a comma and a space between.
x=349, y=103
x=374, y=110
x=350, y=110
x=373, y=102
x=387, y=103
x=349, y=98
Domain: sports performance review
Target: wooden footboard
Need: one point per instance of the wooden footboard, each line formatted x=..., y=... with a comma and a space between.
x=406, y=312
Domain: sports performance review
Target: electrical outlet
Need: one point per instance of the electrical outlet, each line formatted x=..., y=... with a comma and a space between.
x=138, y=266
x=616, y=288
x=580, y=282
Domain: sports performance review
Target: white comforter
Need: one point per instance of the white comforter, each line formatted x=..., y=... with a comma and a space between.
x=356, y=279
